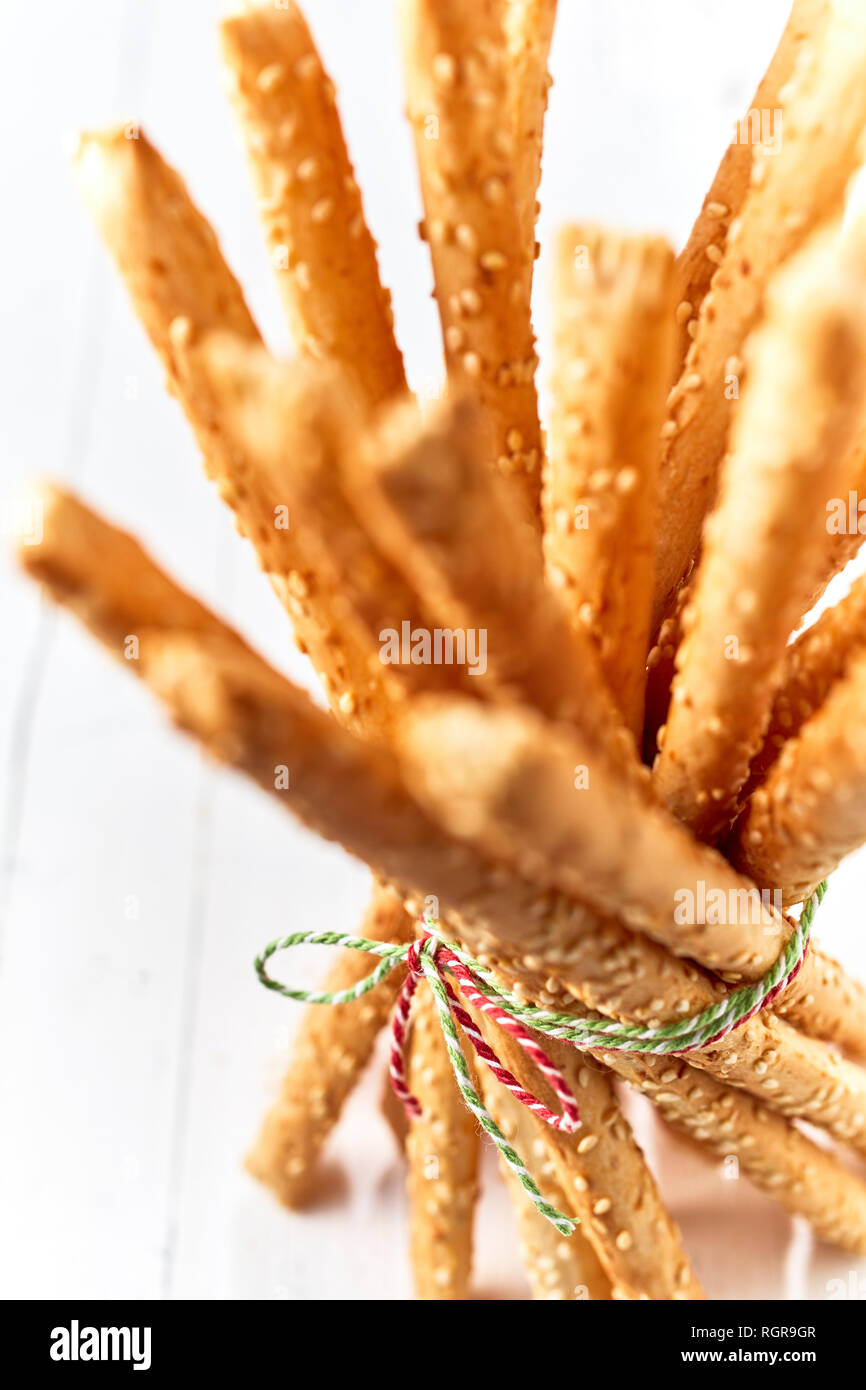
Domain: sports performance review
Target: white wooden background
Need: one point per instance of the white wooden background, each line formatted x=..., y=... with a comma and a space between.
x=136, y=1050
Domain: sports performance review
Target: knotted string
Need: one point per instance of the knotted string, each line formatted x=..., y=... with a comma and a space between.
x=430, y=957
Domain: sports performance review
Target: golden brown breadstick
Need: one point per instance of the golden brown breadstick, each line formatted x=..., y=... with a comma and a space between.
x=769, y=1150
x=181, y=287
x=811, y=810
x=457, y=88
x=593, y=837
x=397, y=836
x=248, y=716
x=506, y=789
x=332, y=1045
x=528, y=26
x=331, y=1049
x=309, y=201
x=797, y=180
x=504, y=780
x=287, y=427
x=800, y=413
x=844, y=539
x=813, y=664
x=434, y=507
x=165, y=250
x=559, y=1268
x=661, y=666
x=612, y=343
x=607, y=1183
x=698, y=261
x=442, y=1148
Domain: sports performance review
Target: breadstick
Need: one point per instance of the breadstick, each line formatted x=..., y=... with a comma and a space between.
x=813, y=664
x=695, y=268
x=845, y=531
x=595, y=840
x=613, y=333
x=309, y=201
x=769, y=1150
x=254, y=720
x=792, y=189
x=442, y=1148
x=165, y=250
x=811, y=810
x=180, y=286
x=457, y=88
x=661, y=666
x=559, y=1268
x=843, y=545
x=606, y=1179
x=332, y=1044
x=286, y=425
x=799, y=415
x=503, y=789
x=432, y=505
x=332, y=1048
x=528, y=26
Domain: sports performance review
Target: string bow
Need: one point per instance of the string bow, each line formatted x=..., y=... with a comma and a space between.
x=432, y=959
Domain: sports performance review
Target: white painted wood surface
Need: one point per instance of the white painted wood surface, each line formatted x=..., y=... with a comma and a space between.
x=136, y=1050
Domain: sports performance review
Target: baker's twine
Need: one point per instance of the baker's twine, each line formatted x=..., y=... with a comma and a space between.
x=431, y=958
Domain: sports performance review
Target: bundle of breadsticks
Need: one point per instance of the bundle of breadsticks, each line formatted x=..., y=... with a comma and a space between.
x=568, y=729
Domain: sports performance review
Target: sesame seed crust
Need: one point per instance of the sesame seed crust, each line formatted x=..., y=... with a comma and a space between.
x=309, y=200
x=613, y=338
x=813, y=664
x=805, y=172
x=442, y=1151
x=808, y=814
x=604, y=1177
x=557, y=1268
x=798, y=418
x=457, y=80
x=732, y=180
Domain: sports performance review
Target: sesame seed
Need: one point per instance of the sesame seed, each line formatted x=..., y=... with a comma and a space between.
x=493, y=191
x=472, y=364
x=445, y=69
x=471, y=301
x=455, y=338
x=307, y=66
x=493, y=260
x=588, y=1142
x=624, y=1240
x=684, y=312
x=718, y=209
x=180, y=330
x=465, y=237
x=270, y=77
x=322, y=210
